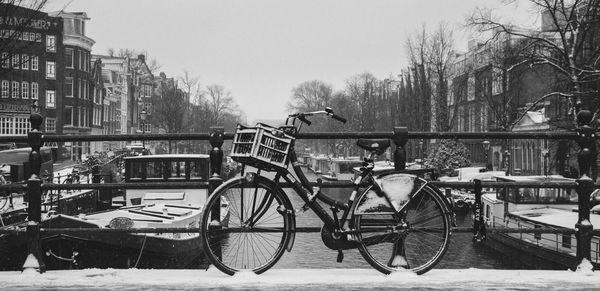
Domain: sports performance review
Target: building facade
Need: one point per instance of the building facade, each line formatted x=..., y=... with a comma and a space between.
x=31, y=62
x=80, y=100
x=489, y=93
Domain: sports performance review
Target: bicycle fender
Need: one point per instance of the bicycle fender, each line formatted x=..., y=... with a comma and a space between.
x=390, y=192
x=292, y=230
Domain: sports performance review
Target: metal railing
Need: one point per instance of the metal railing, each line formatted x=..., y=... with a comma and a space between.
x=34, y=185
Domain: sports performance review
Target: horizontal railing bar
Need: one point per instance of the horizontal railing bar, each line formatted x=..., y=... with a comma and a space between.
x=489, y=184
x=305, y=135
x=305, y=229
x=441, y=135
x=328, y=184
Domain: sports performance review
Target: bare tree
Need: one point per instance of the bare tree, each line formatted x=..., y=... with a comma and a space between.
x=219, y=102
x=567, y=43
x=439, y=58
x=360, y=91
x=169, y=108
x=310, y=96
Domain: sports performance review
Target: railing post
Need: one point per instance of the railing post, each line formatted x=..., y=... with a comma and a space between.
x=400, y=139
x=585, y=187
x=216, y=161
x=34, y=192
x=479, y=232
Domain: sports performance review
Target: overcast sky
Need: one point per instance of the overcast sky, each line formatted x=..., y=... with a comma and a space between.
x=260, y=50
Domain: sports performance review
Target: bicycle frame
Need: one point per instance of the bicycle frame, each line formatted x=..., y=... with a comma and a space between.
x=302, y=186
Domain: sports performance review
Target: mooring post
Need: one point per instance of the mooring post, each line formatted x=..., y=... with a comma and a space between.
x=400, y=139
x=216, y=162
x=479, y=231
x=34, y=192
x=585, y=187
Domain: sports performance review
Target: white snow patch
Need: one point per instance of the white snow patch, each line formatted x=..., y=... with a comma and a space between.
x=290, y=278
x=585, y=267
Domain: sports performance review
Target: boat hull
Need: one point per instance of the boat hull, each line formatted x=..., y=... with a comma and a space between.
x=522, y=254
x=104, y=249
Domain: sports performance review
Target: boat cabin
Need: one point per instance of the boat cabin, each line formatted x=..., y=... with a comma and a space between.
x=166, y=168
x=537, y=195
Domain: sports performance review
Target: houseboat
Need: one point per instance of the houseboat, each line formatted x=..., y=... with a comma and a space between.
x=536, y=208
x=142, y=208
x=15, y=169
x=341, y=169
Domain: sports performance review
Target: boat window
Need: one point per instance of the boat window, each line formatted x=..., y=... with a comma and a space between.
x=511, y=195
x=177, y=170
x=527, y=195
x=548, y=195
x=566, y=240
x=135, y=170
x=198, y=169
x=154, y=170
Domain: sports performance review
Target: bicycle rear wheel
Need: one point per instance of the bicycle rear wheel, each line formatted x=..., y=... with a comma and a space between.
x=415, y=240
x=254, y=229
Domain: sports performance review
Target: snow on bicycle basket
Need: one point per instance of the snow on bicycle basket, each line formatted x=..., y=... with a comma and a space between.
x=263, y=147
x=397, y=189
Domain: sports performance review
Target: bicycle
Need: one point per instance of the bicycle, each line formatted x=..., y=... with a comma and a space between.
x=396, y=220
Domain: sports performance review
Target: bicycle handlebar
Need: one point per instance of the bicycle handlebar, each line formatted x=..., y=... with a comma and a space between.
x=328, y=111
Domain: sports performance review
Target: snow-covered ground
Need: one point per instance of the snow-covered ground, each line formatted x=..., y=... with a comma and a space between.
x=302, y=279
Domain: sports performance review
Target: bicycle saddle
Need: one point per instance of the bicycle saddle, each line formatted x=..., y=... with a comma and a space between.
x=377, y=146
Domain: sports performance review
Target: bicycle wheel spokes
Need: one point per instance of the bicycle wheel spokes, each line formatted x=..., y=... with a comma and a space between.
x=254, y=236
x=415, y=242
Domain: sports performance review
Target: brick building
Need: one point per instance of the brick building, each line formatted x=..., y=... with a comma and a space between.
x=31, y=62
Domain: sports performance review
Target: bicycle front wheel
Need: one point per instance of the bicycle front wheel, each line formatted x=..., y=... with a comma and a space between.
x=414, y=240
x=246, y=225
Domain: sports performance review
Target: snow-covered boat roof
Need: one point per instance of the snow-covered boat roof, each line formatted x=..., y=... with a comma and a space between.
x=537, y=178
x=168, y=156
x=554, y=216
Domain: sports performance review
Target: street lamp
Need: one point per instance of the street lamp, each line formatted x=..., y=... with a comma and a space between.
x=486, y=149
x=143, y=114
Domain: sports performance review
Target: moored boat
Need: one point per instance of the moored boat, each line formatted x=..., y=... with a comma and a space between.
x=143, y=208
x=536, y=208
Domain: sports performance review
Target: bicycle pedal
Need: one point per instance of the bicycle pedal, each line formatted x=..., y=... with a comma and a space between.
x=340, y=256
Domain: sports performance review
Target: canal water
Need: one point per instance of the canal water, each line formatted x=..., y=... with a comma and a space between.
x=310, y=252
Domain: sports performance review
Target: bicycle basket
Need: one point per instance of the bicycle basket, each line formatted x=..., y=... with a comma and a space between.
x=263, y=147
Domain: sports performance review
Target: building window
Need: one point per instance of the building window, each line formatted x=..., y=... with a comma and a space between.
x=79, y=89
x=15, y=90
x=50, y=70
x=5, y=88
x=85, y=90
x=69, y=58
x=50, y=98
x=34, y=90
x=80, y=60
x=5, y=61
x=68, y=115
x=15, y=62
x=69, y=87
x=25, y=62
x=25, y=90
x=21, y=125
x=34, y=63
x=5, y=125
x=50, y=43
x=50, y=125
